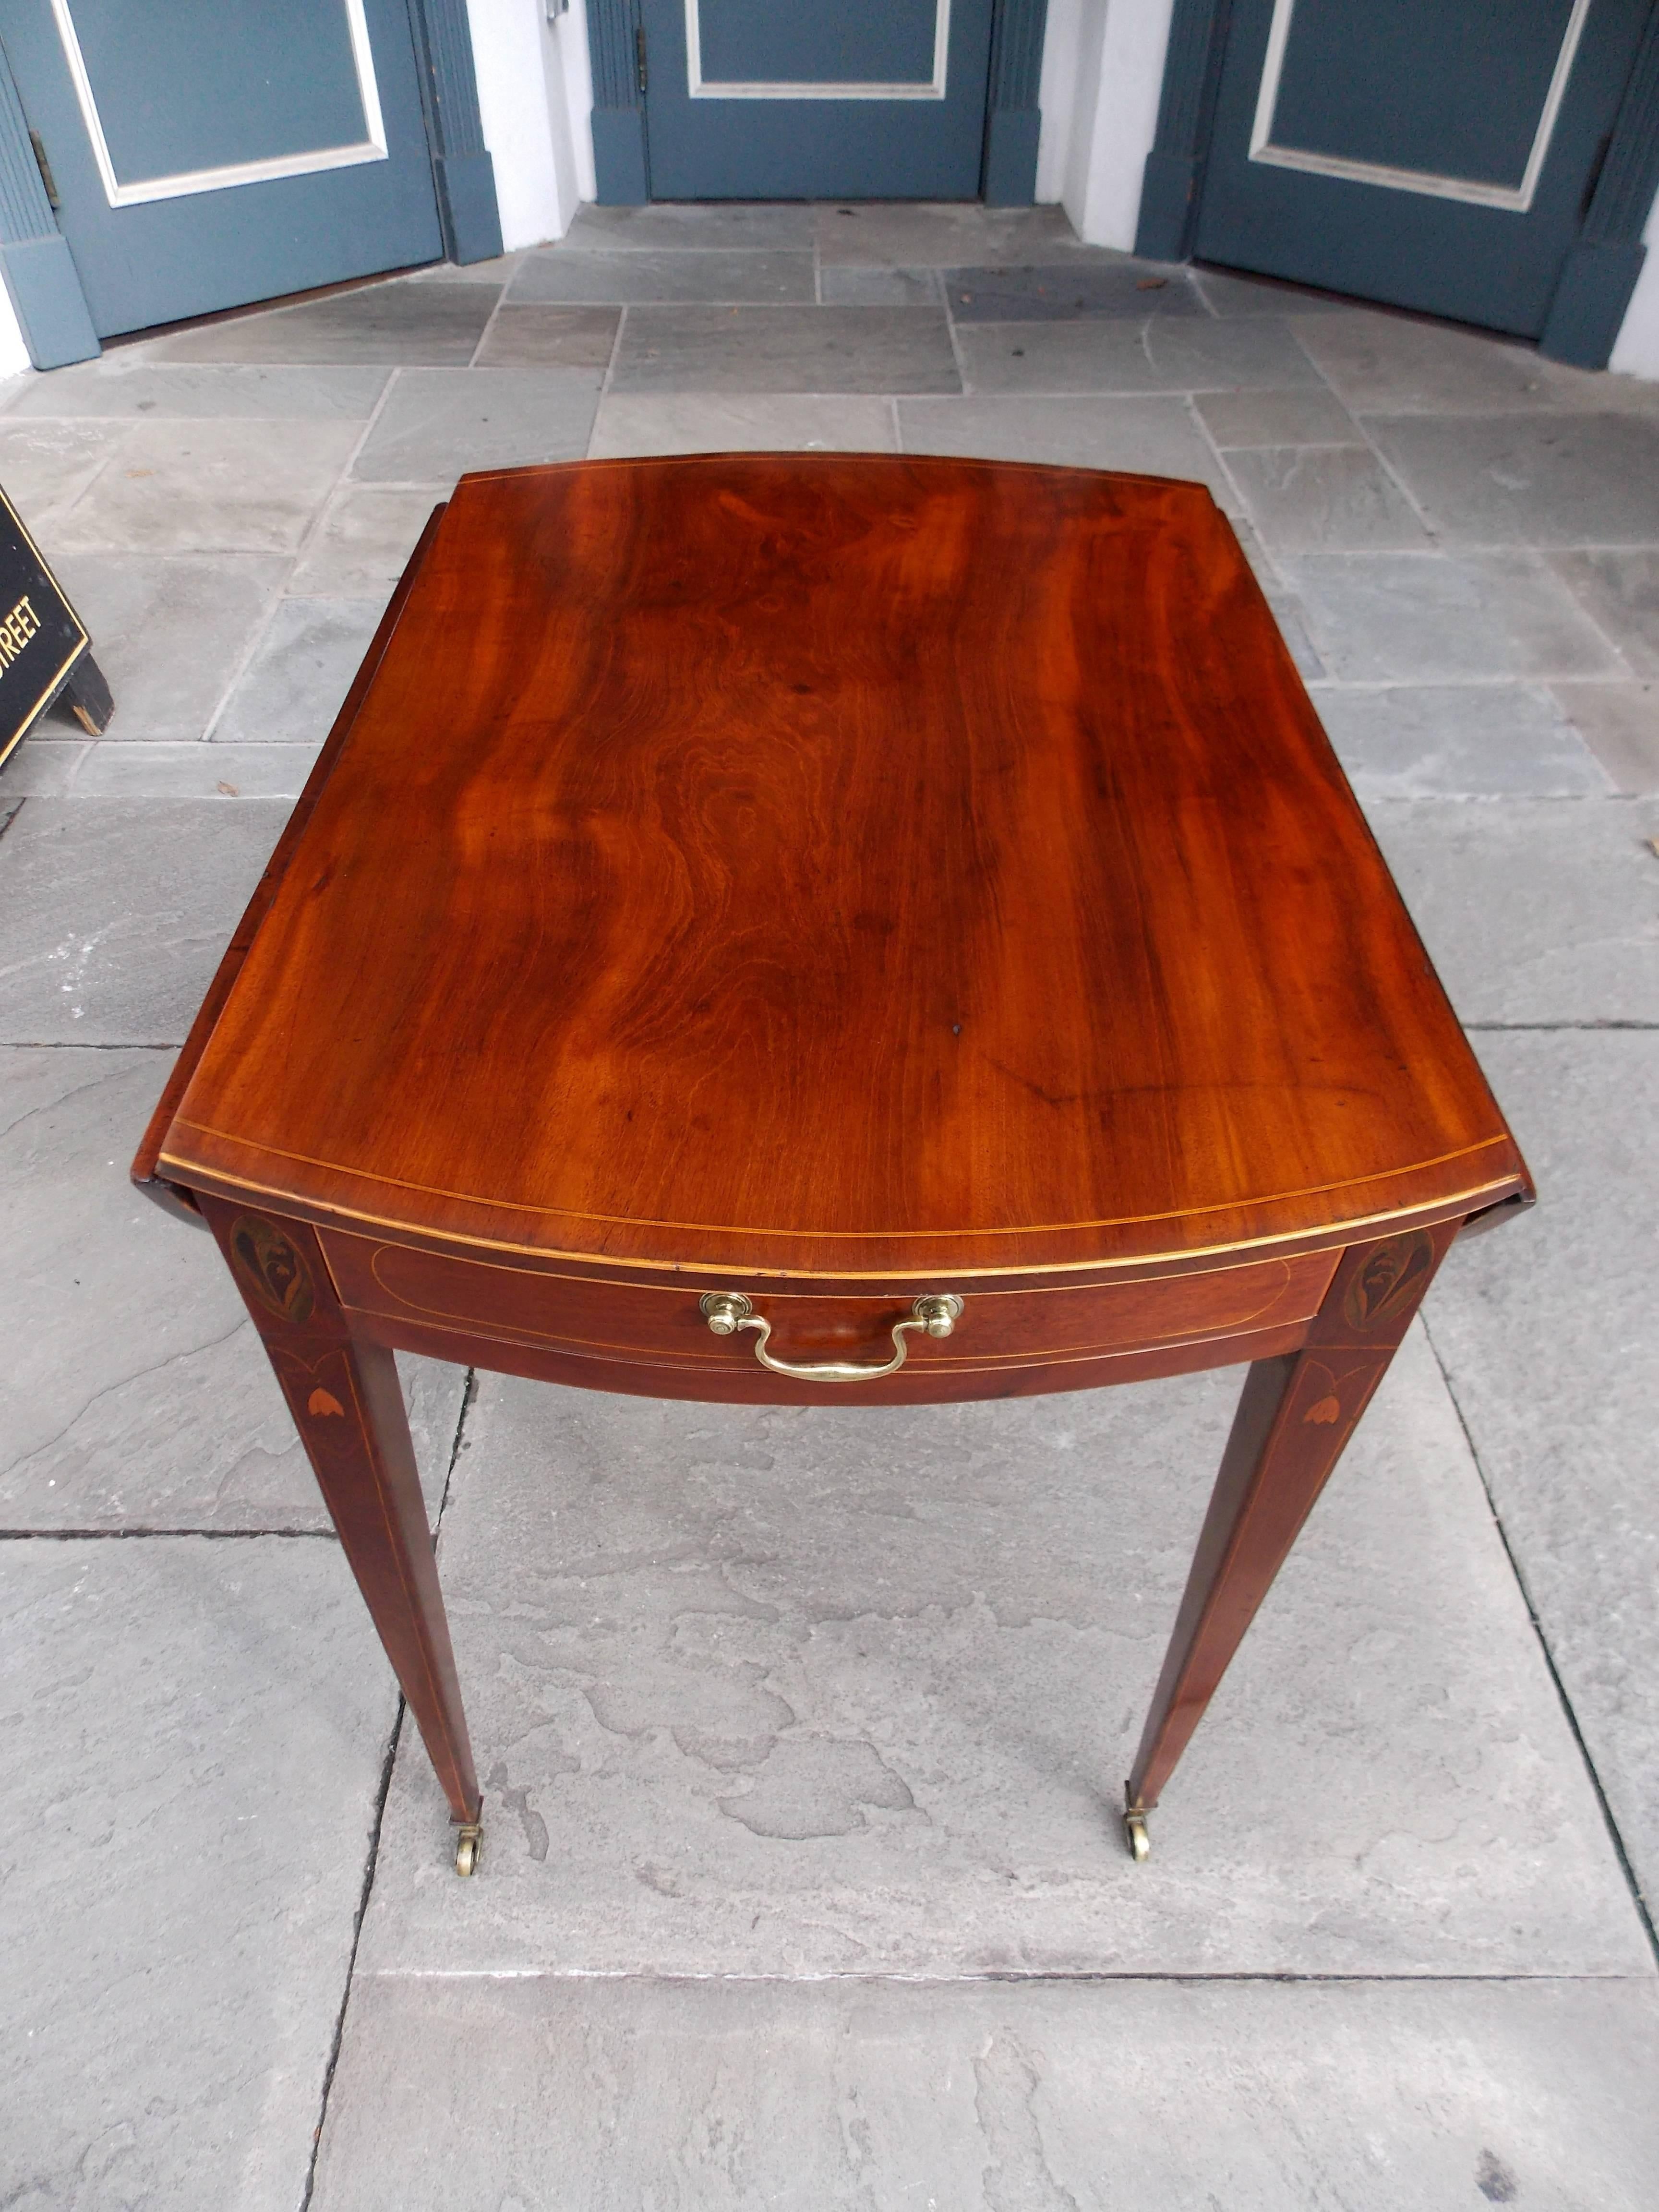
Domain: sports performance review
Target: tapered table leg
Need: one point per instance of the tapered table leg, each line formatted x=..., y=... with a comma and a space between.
x=347, y=1404
x=1294, y=1417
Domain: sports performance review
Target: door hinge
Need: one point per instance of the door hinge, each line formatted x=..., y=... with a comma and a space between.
x=45, y=168
x=639, y=55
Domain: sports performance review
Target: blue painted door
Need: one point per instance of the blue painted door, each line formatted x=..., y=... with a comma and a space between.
x=1435, y=154
x=206, y=152
x=787, y=100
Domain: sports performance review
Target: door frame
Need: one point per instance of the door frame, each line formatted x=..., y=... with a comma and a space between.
x=40, y=272
x=622, y=162
x=1604, y=260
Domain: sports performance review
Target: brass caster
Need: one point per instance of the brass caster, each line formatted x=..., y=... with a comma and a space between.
x=468, y=1845
x=1134, y=1834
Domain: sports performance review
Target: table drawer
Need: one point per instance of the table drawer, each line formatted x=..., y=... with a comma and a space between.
x=665, y=1326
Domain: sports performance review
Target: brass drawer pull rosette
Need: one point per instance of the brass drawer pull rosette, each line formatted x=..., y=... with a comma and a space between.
x=727, y=1311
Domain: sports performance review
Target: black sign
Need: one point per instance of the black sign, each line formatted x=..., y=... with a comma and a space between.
x=41, y=636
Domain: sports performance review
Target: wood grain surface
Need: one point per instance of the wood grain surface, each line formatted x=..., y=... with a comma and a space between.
x=838, y=865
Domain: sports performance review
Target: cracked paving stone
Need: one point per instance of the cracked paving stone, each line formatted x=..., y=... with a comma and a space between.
x=805, y=1691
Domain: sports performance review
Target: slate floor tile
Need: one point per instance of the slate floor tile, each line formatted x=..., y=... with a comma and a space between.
x=549, y=337
x=1546, y=1332
x=198, y=1729
x=854, y=285
x=893, y=2095
x=114, y=914
x=1169, y=354
x=438, y=423
x=1306, y=416
x=43, y=767
x=1620, y=724
x=47, y=465
x=1230, y=292
x=621, y=278
x=135, y=1392
x=920, y=234
x=170, y=632
x=1063, y=291
x=830, y=1692
x=1150, y=436
x=411, y=325
x=1385, y=364
x=711, y=422
x=1459, y=741
x=713, y=226
x=1424, y=618
x=300, y=671
x=137, y=380
x=1533, y=910
x=1619, y=590
x=1578, y=479
x=362, y=543
x=1313, y=499
x=233, y=487
x=162, y=769
x=707, y=349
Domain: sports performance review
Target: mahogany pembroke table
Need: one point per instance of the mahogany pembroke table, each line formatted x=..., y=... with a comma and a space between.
x=784, y=927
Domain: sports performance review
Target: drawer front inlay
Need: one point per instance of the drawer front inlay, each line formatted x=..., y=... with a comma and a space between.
x=665, y=1323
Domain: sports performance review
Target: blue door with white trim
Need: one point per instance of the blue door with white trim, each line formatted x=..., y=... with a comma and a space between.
x=207, y=153
x=782, y=99
x=1434, y=154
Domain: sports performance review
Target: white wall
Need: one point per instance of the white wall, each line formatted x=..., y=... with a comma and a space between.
x=534, y=97
x=1636, y=350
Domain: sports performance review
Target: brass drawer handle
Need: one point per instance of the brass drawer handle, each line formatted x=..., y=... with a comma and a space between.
x=729, y=1311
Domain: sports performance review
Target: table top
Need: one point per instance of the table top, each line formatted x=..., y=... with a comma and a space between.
x=839, y=866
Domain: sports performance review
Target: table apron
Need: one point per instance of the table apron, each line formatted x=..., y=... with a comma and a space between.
x=653, y=1338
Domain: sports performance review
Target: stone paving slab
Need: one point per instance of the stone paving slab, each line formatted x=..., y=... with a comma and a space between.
x=219, y=486
x=300, y=672
x=1326, y=499
x=194, y=771
x=1459, y=741
x=704, y=349
x=1618, y=588
x=1426, y=618
x=714, y=423
x=1533, y=910
x=1546, y=1333
x=1620, y=724
x=363, y=542
x=1306, y=416
x=133, y=381
x=1385, y=364
x=428, y=325
x=1155, y=436
x=830, y=1692
x=622, y=279
x=1065, y=291
x=1169, y=354
x=549, y=337
x=114, y=914
x=943, y=234
x=889, y=2097
x=169, y=635
x=722, y=225
x=196, y=1732
x=135, y=1392
x=440, y=422
x=45, y=467
x=854, y=285
x=1580, y=479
